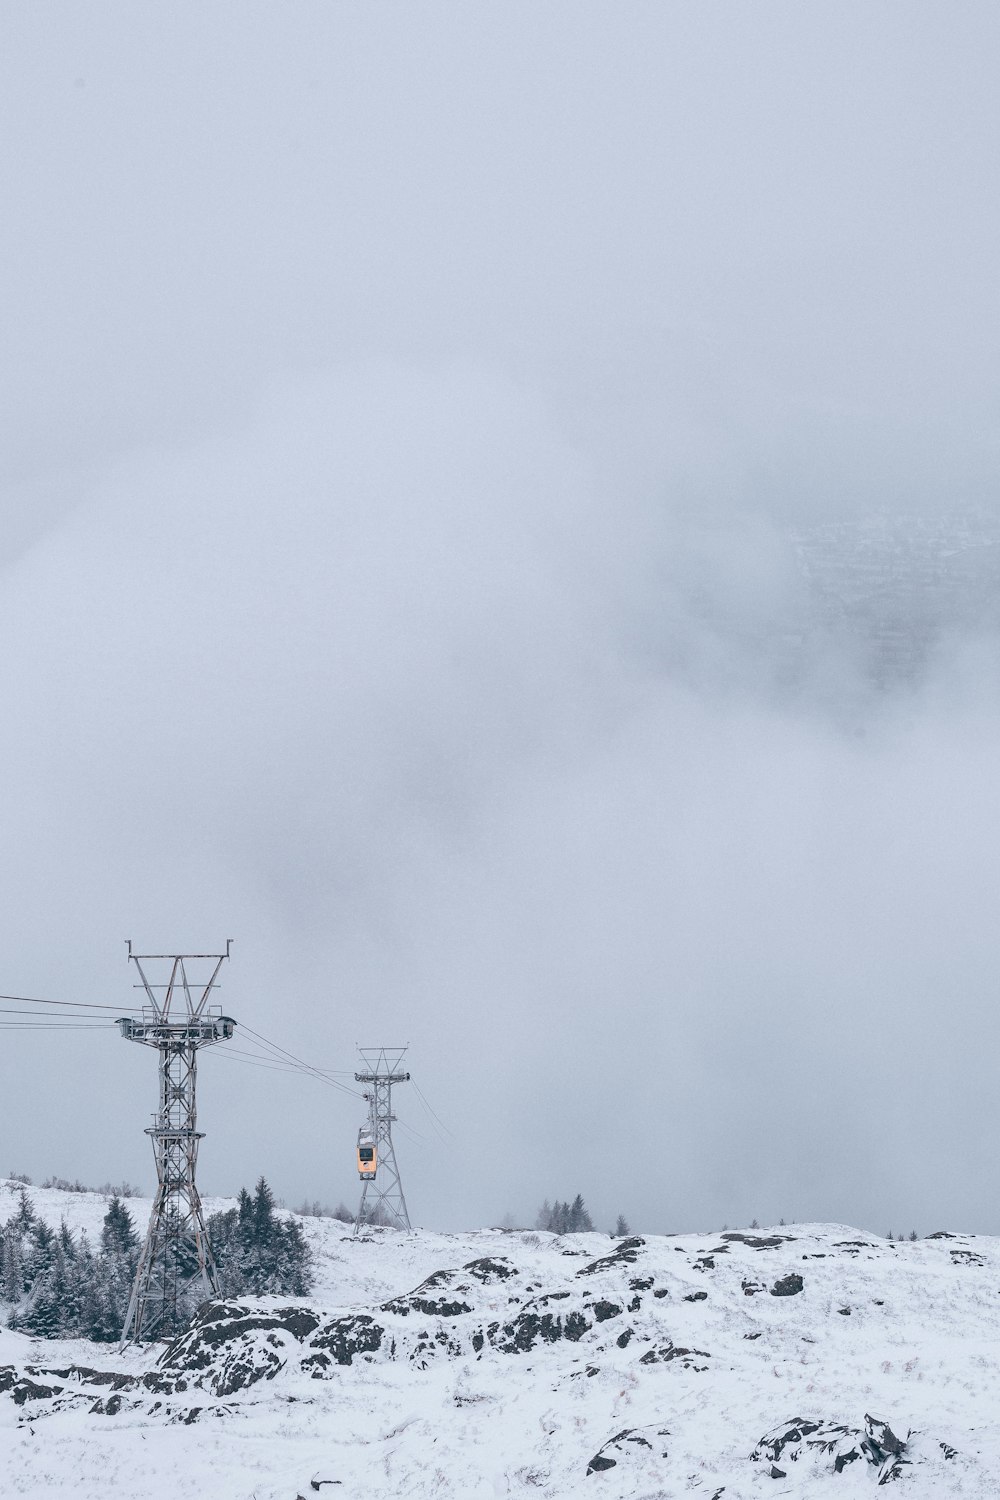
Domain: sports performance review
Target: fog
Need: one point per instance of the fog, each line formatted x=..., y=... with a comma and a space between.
x=417, y=422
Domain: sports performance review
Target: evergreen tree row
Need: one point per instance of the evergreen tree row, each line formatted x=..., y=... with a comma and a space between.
x=257, y=1253
x=57, y=1285
x=564, y=1218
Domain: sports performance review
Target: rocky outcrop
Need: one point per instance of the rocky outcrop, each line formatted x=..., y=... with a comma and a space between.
x=626, y=1445
x=833, y=1446
x=787, y=1286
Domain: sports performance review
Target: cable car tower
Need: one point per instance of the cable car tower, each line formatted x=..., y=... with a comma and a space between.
x=385, y=1203
x=176, y=1262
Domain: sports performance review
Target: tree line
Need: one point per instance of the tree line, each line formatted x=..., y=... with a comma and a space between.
x=54, y=1284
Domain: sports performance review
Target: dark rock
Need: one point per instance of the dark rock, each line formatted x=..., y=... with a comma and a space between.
x=966, y=1258
x=84, y=1375
x=775, y=1473
x=669, y=1352
x=218, y=1326
x=626, y=1253
x=229, y=1346
x=787, y=1286
x=604, y=1310
x=624, y=1339
x=489, y=1269
x=759, y=1241
x=696, y=1297
x=661, y=1291
x=752, y=1288
x=627, y=1445
x=789, y=1435
x=428, y=1307
x=347, y=1337
x=881, y=1436
x=877, y=1445
x=845, y=1312
x=530, y=1328
x=640, y=1283
x=24, y=1390
x=704, y=1263
x=575, y=1326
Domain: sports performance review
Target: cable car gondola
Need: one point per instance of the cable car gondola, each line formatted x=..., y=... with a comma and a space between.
x=367, y=1154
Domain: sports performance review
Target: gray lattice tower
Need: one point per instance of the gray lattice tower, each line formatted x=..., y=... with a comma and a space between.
x=176, y=1270
x=382, y=1200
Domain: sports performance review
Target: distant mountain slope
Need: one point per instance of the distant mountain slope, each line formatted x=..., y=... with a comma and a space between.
x=891, y=586
x=811, y=1360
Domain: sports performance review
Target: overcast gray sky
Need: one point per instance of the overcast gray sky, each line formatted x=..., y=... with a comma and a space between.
x=406, y=408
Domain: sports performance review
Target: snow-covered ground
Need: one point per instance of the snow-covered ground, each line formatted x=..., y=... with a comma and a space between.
x=504, y=1363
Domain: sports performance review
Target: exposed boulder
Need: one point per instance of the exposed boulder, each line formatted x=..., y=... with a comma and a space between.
x=834, y=1446
x=530, y=1328
x=629, y=1444
x=626, y=1253
x=342, y=1340
x=489, y=1269
x=758, y=1241
x=229, y=1347
x=666, y=1353
x=787, y=1286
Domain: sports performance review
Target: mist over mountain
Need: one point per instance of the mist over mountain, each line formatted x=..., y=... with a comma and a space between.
x=499, y=518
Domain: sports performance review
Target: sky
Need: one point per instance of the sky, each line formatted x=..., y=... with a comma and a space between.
x=408, y=411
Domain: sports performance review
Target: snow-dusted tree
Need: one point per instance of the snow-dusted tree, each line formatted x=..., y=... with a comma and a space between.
x=256, y=1251
x=12, y=1266
x=621, y=1226
x=118, y=1236
x=580, y=1221
x=564, y=1218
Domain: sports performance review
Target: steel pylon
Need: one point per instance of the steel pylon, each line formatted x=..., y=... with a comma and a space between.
x=176, y=1270
x=382, y=1198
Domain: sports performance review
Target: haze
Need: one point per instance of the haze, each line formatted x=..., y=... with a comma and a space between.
x=412, y=417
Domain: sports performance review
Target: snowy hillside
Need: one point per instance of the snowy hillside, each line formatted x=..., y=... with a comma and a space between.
x=811, y=1360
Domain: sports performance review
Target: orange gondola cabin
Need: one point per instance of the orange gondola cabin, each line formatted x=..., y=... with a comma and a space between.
x=367, y=1154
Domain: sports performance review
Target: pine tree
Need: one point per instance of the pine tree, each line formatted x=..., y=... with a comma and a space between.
x=25, y=1218
x=621, y=1226
x=41, y=1248
x=578, y=1219
x=256, y=1251
x=118, y=1236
